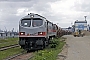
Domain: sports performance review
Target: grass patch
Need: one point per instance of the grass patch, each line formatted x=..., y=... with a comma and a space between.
x=9, y=52
x=8, y=40
x=51, y=52
x=8, y=43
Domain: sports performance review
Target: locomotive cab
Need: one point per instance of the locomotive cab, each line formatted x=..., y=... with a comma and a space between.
x=33, y=32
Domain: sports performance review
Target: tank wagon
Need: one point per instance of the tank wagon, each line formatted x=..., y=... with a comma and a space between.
x=35, y=32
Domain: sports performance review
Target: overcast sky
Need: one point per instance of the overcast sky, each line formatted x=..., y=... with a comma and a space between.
x=63, y=12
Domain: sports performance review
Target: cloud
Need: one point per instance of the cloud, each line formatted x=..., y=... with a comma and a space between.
x=15, y=0
x=12, y=11
x=63, y=12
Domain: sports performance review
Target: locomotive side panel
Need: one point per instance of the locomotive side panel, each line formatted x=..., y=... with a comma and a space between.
x=49, y=28
x=55, y=30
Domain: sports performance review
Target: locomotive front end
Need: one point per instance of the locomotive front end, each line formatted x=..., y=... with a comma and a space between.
x=32, y=32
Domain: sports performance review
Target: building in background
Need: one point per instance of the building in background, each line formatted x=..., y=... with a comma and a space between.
x=88, y=27
x=80, y=25
x=6, y=34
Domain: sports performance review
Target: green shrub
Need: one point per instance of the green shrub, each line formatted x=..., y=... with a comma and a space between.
x=54, y=43
x=51, y=52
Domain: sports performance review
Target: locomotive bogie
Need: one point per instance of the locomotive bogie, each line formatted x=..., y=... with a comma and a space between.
x=31, y=43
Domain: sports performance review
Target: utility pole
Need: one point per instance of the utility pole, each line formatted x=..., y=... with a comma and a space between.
x=13, y=30
x=5, y=29
x=85, y=17
x=71, y=24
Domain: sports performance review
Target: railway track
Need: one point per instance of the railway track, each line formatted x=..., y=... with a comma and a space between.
x=21, y=56
x=8, y=47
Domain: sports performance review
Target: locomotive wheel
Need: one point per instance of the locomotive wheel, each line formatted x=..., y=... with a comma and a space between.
x=43, y=46
x=28, y=51
x=22, y=46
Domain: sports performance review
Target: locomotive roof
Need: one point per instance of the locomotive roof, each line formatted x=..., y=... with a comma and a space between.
x=35, y=16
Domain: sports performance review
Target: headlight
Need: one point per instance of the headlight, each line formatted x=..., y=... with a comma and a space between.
x=22, y=33
x=41, y=33
x=32, y=16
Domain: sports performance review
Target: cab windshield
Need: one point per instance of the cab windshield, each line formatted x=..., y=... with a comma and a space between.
x=26, y=22
x=37, y=22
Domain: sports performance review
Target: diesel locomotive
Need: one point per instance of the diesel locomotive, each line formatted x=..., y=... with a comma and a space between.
x=35, y=31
